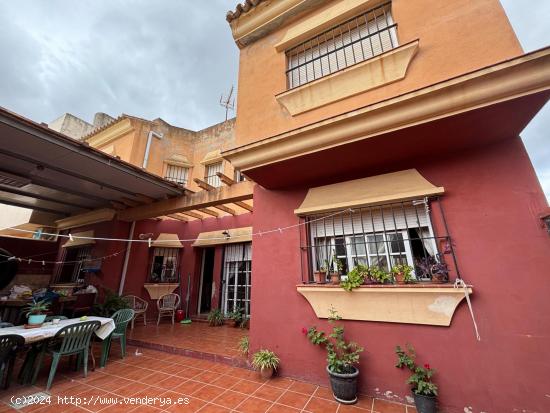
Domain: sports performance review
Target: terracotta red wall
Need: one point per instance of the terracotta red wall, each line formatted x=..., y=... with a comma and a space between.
x=37, y=250
x=190, y=263
x=491, y=203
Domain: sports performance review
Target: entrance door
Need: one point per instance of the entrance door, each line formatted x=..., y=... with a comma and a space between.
x=207, y=276
x=237, y=276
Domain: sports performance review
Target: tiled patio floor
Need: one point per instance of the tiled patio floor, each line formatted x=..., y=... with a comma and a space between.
x=197, y=337
x=209, y=387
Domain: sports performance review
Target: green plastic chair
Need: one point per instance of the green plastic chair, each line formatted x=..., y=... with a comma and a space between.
x=121, y=318
x=9, y=344
x=71, y=340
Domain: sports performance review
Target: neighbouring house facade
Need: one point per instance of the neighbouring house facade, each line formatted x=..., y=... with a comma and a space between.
x=387, y=132
x=212, y=269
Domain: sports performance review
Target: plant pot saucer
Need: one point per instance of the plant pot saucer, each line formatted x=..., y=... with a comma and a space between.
x=344, y=401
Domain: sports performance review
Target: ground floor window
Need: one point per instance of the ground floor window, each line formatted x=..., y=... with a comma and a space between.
x=381, y=236
x=164, y=265
x=70, y=270
x=237, y=277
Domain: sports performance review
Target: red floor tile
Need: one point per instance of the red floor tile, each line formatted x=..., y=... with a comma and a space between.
x=268, y=393
x=230, y=399
x=317, y=405
x=292, y=399
x=253, y=405
x=383, y=406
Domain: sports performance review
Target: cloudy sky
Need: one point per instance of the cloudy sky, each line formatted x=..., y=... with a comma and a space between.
x=163, y=58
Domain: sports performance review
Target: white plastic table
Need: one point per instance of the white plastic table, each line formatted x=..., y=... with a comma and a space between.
x=48, y=330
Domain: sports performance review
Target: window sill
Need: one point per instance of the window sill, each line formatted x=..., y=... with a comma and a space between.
x=378, y=71
x=157, y=290
x=428, y=304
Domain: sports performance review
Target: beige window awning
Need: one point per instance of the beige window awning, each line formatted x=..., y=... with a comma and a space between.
x=165, y=240
x=80, y=242
x=212, y=157
x=230, y=236
x=374, y=190
x=178, y=159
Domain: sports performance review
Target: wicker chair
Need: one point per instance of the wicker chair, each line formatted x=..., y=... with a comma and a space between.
x=167, y=306
x=139, y=305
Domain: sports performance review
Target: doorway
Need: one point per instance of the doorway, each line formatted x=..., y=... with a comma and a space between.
x=237, y=278
x=207, y=277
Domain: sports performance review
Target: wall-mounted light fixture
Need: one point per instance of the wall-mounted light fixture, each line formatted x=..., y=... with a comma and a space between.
x=226, y=234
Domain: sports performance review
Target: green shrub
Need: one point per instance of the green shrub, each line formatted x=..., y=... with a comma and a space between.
x=215, y=318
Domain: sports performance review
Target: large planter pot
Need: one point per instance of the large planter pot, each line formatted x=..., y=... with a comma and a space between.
x=36, y=319
x=266, y=373
x=320, y=277
x=335, y=278
x=425, y=404
x=344, y=386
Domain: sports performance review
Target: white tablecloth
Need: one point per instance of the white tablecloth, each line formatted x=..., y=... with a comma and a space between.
x=48, y=330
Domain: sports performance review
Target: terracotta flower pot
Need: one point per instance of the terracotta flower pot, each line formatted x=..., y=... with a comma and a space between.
x=320, y=277
x=400, y=278
x=266, y=373
x=335, y=278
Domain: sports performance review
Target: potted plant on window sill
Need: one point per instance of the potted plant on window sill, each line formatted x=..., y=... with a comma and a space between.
x=433, y=268
x=355, y=277
x=335, y=275
x=36, y=313
x=342, y=359
x=423, y=389
x=376, y=275
x=237, y=316
x=321, y=276
x=402, y=274
x=266, y=362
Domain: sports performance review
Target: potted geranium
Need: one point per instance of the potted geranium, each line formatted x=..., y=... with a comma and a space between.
x=36, y=312
x=355, y=277
x=378, y=276
x=266, y=362
x=402, y=273
x=342, y=359
x=423, y=389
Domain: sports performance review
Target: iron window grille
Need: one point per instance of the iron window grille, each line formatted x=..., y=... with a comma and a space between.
x=165, y=265
x=382, y=236
x=210, y=172
x=177, y=174
x=356, y=40
x=237, y=277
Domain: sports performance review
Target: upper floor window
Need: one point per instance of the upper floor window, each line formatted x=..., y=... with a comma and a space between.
x=210, y=174
x=177, y=174
x=239, y=177
x=164, y=265
x=356, y=40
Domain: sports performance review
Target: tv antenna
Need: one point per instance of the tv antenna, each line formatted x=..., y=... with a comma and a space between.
x=228, y=102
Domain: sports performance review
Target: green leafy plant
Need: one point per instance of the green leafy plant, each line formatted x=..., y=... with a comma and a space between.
x=378, y=275
x=355, y=277
x=265, y=359
x=36, y=307
x=215, y=318
x=236, y=315
x=244, y=345
x=421, y=377
x=402, y=270
x=112, y=302
x=342, y=355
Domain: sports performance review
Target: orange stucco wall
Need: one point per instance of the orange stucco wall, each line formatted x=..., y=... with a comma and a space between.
x=130, y=145
x=456, y=36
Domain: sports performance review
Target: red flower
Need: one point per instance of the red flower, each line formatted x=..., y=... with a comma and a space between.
x=304, y=330
x=427, y=366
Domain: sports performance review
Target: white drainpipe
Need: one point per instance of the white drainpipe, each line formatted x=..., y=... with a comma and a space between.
x=148, y=147
x=126, y=258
